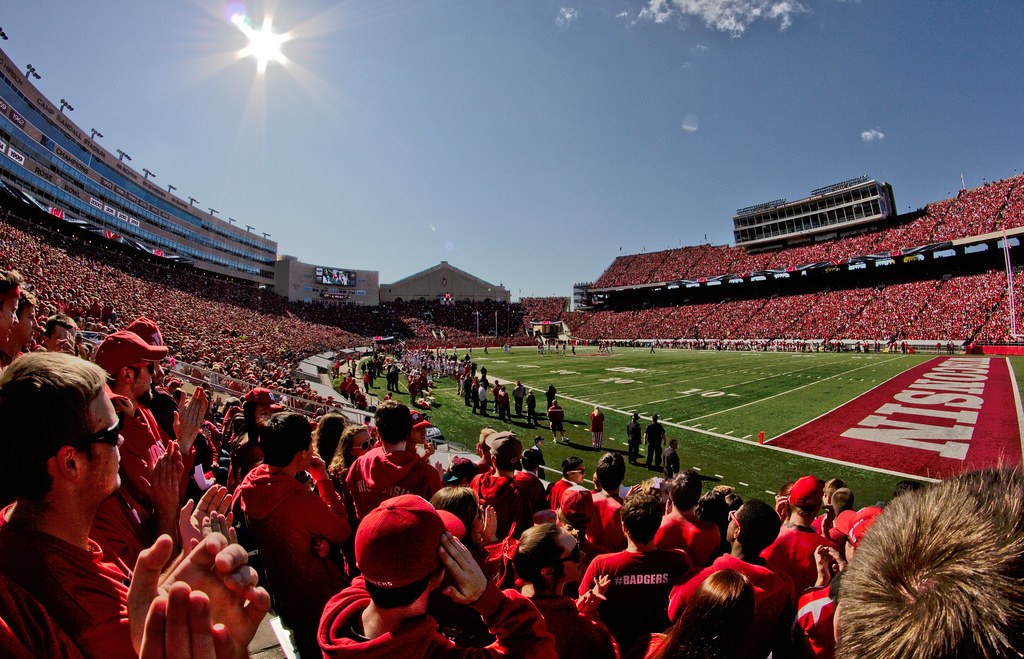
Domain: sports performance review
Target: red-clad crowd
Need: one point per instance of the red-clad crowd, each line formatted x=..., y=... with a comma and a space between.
x=972, y=212
x=132, y=507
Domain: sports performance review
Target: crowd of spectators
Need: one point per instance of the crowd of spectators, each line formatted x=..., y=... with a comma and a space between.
x=384, y=555
x=959, y=309
x=972, y=212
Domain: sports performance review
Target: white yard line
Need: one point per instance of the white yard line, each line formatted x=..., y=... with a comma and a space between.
x=1016, y=401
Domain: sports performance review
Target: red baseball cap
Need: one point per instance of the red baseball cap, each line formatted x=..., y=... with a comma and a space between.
x=122, y=349
x=861, y=523
x=419, y=420
x=453, y=524
x=577, y=504
x=807, y=492
x=262, y=396
x=397, y=542
x=147, y=329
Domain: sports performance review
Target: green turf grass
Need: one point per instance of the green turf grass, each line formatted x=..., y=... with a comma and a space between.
x=717, y=394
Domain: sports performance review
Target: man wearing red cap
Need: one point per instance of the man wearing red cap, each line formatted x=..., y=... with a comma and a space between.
x=130, y=364
x=792, y=552
x=390, y=469
x=403, y=552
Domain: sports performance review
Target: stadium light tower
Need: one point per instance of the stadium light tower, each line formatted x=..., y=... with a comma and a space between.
x=146, y=173
x=30, y=72
x=3, y=35
x=266, y=235
x=121, y=155
x=65, y=104
x=231, y=220
x=214, y=211
x=170, y=187
x=93, y=133
x=249, y=228
x=192, y=201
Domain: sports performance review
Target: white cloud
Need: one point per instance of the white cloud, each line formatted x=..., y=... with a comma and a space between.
x=872, y=135
x=700, y=48
x=567, y=16
x=732, y=16
x=622, y=14
x=690, y=123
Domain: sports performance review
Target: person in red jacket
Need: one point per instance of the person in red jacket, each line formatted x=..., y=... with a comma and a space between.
x=293, y=528
x=556, y=415
x=498, y=488
x=681, y=529
x=404, y=552
x=548, y=558
x=389, y=470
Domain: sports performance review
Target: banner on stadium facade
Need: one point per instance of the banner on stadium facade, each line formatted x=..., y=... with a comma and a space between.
x=110, y=235
x=15, y=156
x=57, y=212
x=158, y=252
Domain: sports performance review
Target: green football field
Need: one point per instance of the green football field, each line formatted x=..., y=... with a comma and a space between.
x=715, y=403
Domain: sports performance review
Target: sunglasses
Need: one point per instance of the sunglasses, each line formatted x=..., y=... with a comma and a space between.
x=111, y=436
x=734, y=519
x=575, y=555
x=365, y=446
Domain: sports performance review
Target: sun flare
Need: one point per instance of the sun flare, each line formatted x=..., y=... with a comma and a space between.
x=264, y=44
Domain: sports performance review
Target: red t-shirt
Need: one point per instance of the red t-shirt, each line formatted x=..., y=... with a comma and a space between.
x=773, y=600
x=700, y=539
x=576, y=636
x=596, y=422
x=377, y=476
x=605, y=528
x=637, y=596
x=86, y=596
x=556, y=490
x=792, y=553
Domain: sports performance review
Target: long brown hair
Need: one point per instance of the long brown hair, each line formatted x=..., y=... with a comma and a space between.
x=712, y=624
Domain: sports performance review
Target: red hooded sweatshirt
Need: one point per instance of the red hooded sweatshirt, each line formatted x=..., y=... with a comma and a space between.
x=511, y=505
x=520, y=630
x=285, y=518
x=377, y=476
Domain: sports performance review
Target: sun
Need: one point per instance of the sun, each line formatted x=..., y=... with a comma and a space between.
x=264, y=44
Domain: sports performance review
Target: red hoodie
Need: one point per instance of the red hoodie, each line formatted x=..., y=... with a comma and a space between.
x=377, y=476
x=511, y=617
x=511, y=505
x=285, y=518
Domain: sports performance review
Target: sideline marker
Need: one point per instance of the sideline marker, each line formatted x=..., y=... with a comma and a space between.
x=760, y=438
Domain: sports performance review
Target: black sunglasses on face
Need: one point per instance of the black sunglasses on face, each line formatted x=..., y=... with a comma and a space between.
x=574, y=555
x=111, y=436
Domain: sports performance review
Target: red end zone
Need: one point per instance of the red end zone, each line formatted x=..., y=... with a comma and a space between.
x=946, y=416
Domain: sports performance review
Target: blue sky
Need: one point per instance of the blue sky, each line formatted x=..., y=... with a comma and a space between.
x=529, y=141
